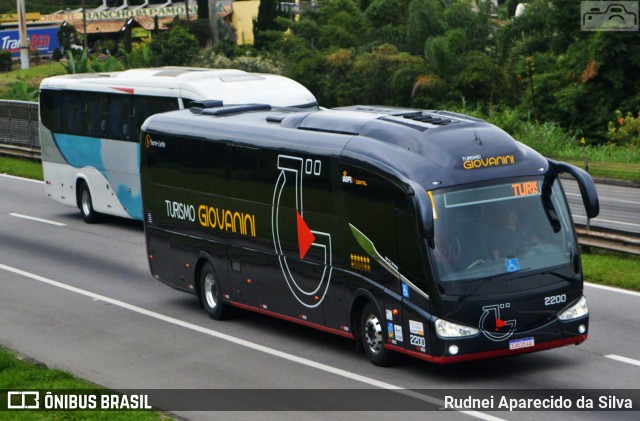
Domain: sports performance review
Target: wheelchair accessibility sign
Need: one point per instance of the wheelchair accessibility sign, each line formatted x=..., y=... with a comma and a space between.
x=609, y=15
x=512, y=265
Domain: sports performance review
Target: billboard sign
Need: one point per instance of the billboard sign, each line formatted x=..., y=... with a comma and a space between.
x=43, y=39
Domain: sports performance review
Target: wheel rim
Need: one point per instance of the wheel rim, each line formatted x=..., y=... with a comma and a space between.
x=373, y=333
x=211, y=291
x=86, y=202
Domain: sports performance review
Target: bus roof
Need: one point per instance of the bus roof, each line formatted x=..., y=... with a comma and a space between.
x=229, y=85
x=432, y=148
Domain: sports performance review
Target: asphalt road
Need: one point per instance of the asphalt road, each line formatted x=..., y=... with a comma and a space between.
x=79, y=297
x=619, y=206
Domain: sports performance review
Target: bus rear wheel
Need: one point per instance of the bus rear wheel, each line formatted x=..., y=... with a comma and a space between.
x=86, y=204
x=372, y=334
x=210, y=293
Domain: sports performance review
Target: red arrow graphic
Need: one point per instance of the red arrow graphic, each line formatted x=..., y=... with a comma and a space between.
x=305, y=236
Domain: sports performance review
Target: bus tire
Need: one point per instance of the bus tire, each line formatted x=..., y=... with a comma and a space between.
x=372, y=334
x=85, y=204
x=210, y=295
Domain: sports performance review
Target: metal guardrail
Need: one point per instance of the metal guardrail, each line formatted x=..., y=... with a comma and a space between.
x=608, y=241
x=19, y=129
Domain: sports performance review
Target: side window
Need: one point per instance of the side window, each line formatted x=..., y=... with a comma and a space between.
x=252, y=174
x=186, y=102
x=370, y=203
x=51, y=109
x=384, y=213
x=143, y=107
x=410, y=259
x=97, y=115
x=146, y=106
x=119, y=126
x=206, y=166
x=164, y=163
x=74, y=113
x=166, y=104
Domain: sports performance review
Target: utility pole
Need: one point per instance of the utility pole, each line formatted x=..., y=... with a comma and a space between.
x=84, y=26
x=213, y=20
x=24, y=40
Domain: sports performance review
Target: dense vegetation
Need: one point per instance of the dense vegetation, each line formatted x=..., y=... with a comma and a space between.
x=450, y=54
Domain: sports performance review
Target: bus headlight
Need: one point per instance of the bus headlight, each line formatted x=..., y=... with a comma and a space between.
x=576, y=311
x=446, y=329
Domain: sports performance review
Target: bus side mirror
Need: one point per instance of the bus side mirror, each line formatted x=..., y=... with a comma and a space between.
x=586, y=184
x=425, y=213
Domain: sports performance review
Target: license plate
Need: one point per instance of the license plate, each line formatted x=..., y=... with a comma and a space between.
x=521, y=343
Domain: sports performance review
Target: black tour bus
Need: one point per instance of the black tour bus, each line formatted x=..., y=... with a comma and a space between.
x=427, y=233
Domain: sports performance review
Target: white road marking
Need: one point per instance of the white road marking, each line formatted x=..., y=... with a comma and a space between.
x=245, y=343
x=623, y=359
x=613, y=289
x=22, y=178
x=33, y=218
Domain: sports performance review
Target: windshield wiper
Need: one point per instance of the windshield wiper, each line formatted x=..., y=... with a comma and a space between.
x=478, y=285
x=561, y=276
x=483, y=282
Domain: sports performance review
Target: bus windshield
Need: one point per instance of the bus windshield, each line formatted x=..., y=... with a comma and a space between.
x=505, y=228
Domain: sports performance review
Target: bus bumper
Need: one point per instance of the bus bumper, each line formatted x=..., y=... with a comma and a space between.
x=552, y=335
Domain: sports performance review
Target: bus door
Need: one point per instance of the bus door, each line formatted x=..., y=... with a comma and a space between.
x=410, y=324
x=370, y=205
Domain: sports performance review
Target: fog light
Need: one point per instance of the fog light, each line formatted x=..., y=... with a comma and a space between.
x=582, y=329
x=453, y=349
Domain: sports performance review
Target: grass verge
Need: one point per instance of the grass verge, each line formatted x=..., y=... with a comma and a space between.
x=33, y=75
x=611, y=268
x=17, y=374
x=21, y=168
x=611, y=170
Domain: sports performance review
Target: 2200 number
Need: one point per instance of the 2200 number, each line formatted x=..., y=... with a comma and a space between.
x=555, y=299
x=417, y=341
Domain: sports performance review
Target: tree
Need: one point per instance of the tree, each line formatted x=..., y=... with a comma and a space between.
x=67, y=36
x=572, y=77
x=266, y=24
x=425, y=19
x=386, y=76
x=175, y=47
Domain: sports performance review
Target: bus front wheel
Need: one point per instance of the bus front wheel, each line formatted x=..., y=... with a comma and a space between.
x=210, y=293
x=86, y=204
x=372, y=334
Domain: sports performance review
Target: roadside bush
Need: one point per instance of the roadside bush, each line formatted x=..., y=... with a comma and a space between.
x=256, y=64
x=21, y=91
x=5, y=61
x=625, y=130
x=210, y=59
x=139, y=56
x=57, y=54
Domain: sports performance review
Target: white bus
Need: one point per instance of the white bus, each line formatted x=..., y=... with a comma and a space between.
x=90, y=126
